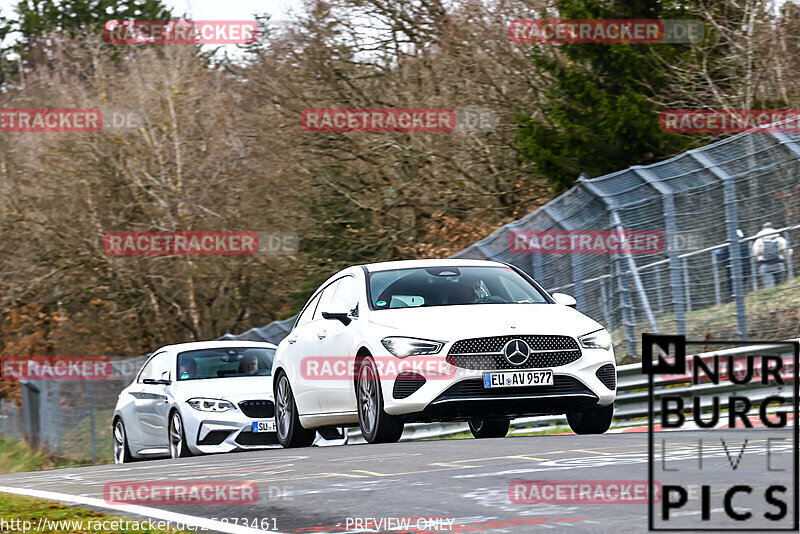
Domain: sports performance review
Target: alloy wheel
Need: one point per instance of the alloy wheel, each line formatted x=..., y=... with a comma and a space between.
x=175, y=436
x=284, y=407
x=119, y=442
x=368, y=396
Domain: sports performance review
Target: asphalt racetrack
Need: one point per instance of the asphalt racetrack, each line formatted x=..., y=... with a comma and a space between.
x=463, y=483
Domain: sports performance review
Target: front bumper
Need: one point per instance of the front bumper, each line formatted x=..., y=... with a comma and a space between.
x=213, y=432
x=461, y=395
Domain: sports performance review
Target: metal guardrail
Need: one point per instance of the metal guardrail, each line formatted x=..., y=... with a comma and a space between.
x=632, y=396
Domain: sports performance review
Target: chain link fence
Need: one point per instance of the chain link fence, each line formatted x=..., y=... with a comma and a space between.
x=707, y=204
x=69, y=418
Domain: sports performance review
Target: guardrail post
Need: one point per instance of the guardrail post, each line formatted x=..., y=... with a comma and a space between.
x=606, y=312
x=90, y=401
x=714, y=269
x=659, y=300
x=628, y=321
x=671, y=227
x=51, y=414
x=732, y=224
x=3, y=417
x=30, y=413
x=538, y=268
x=789, y=266
x=686, y=289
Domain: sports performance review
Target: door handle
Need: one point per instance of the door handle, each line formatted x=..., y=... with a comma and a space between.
x=322, y=334
x=291, y=340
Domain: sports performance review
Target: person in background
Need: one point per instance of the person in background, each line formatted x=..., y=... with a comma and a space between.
x=724, y=259
x=769, y=250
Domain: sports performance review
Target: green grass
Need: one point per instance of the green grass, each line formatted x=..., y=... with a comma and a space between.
x=77, y=443
x=18, y=457
x=21, y=509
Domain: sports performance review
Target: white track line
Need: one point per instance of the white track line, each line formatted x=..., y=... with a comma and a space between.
x=146, y=511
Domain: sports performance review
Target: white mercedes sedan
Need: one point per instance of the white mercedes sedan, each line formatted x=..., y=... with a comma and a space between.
x=384, y=344
x=194, y=398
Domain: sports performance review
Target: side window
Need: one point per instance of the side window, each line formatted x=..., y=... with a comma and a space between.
x=157, y=368
x=347, y=292
x=147, y=370
x=162, y=366
x=327, y=298
x=307, y=312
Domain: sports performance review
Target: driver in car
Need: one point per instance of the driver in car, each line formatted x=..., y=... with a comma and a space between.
x=249, y=365
x=467, y=292
x=188, y=369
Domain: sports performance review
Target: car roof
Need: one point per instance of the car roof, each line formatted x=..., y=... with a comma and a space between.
x=197, y=345
x=449, y=262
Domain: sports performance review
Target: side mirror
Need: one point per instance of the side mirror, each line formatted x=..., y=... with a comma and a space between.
x=337, y=310
x=566, y=300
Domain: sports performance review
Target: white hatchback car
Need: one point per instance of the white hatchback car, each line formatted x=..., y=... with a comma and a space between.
x=439, y=340
x=192, y=398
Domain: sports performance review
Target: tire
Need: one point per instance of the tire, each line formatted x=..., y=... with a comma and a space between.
x=291, y=433
x=595, y=420
x=177, y=437
x=122, y=454
x=489, y=428
x=376, y=425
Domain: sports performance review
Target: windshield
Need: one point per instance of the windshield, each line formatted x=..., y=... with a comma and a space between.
x=448, y=286
x=225, y=362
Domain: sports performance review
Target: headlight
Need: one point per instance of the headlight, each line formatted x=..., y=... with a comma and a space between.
x=407, y=346
x=211, y=405
x=596, y=340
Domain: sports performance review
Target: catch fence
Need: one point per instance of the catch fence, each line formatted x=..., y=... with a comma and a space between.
x=707, y=204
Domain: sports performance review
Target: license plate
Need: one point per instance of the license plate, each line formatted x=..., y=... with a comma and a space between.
x=518, y=378
x=264, y=426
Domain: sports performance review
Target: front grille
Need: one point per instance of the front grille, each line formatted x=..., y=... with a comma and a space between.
x=407, y=383
x=258, y=409
x=256, y=438
x=473, y=387
x=608, y=376
x=486, y=353
x=215, y=437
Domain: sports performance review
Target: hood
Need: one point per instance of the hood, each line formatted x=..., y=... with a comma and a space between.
x=450, y=323
x=234, y=389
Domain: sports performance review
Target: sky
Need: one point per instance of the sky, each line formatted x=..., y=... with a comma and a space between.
x=205, y=10
x=212, y=9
